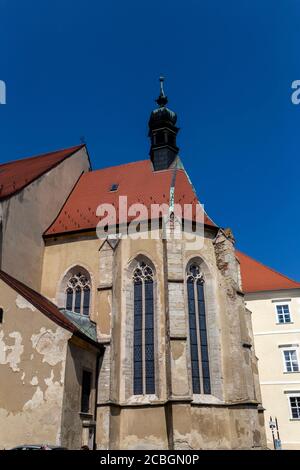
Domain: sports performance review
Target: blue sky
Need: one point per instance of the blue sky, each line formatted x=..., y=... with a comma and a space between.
x=90, y=68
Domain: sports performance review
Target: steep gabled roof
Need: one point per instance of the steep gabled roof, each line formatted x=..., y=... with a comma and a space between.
x=257, y=277
x=16, y=175
x=138, y=181
x=45, y=306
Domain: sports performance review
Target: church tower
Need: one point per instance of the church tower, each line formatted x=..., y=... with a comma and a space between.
x=162, y=133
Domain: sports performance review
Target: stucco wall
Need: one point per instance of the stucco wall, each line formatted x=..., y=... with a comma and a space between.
x=270, y=341
x=61, y=256
x=215, y=427
x=29, y=213
x=32, y=369
x=143, y=428
x=181, y=426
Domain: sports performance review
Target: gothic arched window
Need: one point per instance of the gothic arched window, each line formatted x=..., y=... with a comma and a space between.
x=198, y=333
x=78, y=293
x=143, y=344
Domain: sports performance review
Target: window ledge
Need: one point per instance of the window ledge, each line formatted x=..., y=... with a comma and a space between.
x=104, y=287
x=206, y=399
x=178, y=337
x=292, y=372
x=86, y=415
x=294, y=419
x=143, y=400
x=285, y=323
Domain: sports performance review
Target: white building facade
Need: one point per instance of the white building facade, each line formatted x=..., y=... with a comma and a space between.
x=274, y=301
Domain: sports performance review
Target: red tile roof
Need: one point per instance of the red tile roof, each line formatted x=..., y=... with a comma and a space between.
x=43, y=305
x=15, y=175
x=135, y=180
x=257, y=277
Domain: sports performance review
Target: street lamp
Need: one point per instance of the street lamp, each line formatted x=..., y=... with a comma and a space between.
x=273, y=425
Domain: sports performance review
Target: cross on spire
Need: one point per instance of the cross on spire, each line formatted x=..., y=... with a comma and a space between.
x=162, y=99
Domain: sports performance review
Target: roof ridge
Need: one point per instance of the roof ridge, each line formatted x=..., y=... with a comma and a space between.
x=43, y=155
x=194, y=191
x=268, y=267
x=66, y=201
x=117, y=166
x=134, y=163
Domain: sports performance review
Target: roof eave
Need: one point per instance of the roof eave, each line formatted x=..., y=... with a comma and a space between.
x=59, y=319
x=213, y=228
x=14, y=193
x=265, y=291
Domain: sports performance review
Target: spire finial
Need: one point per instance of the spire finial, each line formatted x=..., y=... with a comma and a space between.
x=162, y=99
x=162, y=79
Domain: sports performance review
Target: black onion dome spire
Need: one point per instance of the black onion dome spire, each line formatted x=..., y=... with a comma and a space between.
x=163, y=132
x=162, y=113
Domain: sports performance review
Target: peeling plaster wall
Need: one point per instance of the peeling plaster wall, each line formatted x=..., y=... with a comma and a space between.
x=143, y=429
x=32, y=370
x=215, y=427
x=27, y=214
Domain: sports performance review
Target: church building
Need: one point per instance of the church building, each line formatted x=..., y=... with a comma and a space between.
x=122, y=317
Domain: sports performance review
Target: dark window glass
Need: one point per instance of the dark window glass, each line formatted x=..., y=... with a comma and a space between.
x=86, y=300
x=197, y=330
x=291, y=361
x=1, y=315
x=160, y=138
x=144, y=367
x=138, y=333
x=203, y=337
x=295, y=407
x=149, y=336
x=86, y=391
x=69, y=299
x=283, y=314
x=172, y=139
x=114, y=187
x=77, y=300
x=78, y=293
x=193, y=337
